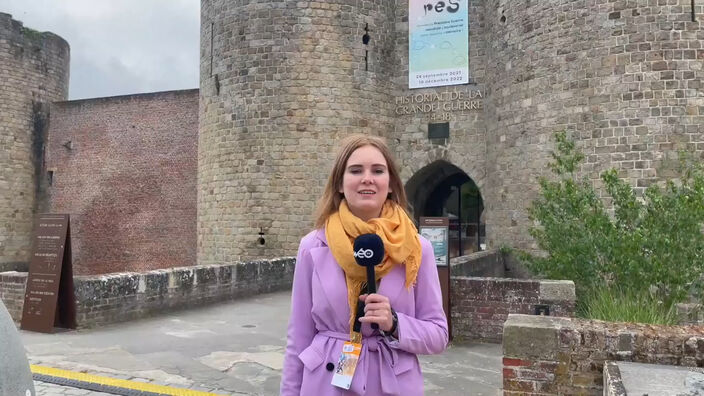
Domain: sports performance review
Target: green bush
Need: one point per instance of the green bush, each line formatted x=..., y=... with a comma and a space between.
x=652, y=243
x=618, y=305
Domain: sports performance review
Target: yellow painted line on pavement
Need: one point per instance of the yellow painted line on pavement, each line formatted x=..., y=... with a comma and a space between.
x=119, y=383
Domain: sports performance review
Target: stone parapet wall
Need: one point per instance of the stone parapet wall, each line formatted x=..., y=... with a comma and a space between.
x=480, y=306
x=613, y=385
x=488, y=263
x=566, y=356
x=114, y=298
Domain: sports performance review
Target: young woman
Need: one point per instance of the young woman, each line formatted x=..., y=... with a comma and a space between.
x=364, y=194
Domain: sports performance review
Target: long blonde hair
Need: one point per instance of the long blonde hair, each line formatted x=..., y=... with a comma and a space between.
x=329, y=203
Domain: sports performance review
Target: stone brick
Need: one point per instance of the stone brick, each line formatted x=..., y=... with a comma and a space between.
x=156, y=282
x=531, y=339
x=247, y=273
x=557, y=291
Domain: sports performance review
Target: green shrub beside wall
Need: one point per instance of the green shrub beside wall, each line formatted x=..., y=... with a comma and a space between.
x=645, y=245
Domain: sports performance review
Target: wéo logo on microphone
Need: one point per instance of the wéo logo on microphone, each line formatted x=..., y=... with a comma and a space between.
x=364, y=253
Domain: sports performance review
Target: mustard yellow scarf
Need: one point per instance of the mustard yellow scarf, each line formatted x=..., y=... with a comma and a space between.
x=401, y=246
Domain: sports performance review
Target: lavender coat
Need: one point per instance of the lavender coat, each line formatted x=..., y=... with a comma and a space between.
x=319, y=326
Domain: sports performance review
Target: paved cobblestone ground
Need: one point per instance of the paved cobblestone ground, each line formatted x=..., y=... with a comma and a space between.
x=234, y=348
x=47, y=389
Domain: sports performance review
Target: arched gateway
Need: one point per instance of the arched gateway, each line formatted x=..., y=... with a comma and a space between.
x=443, y=189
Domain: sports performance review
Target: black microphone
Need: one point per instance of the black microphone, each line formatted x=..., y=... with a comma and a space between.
x=369, y=252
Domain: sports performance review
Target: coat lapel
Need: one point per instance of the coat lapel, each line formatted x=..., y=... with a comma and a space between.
x=331, y=279
x=392, y=284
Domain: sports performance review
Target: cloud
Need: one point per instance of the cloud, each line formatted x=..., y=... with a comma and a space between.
x=121, y=47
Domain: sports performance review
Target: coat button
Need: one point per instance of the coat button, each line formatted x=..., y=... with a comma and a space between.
x=330, y=366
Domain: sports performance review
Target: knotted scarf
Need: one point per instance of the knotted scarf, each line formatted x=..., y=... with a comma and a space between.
x=401, y=246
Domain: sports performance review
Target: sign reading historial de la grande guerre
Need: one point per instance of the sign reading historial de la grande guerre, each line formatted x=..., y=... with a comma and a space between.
x=438, y=43
x=455, y=100
x=49, y=298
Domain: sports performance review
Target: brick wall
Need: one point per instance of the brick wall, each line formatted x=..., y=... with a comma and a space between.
x=480, y=306
x=33, y=72
x=119, y=297
x=124, y=168
x=566, y=356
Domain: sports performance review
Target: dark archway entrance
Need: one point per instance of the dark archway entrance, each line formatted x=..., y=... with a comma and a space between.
x=442, y=189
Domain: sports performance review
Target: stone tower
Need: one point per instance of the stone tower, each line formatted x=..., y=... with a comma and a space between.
x=34, y=71
x=281, y=83
x=623, y=78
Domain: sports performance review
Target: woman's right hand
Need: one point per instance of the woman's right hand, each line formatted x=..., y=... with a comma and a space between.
x=377, y=309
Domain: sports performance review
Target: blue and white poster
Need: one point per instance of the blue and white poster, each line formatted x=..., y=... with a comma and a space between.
x=439, y=239
x=438, y=43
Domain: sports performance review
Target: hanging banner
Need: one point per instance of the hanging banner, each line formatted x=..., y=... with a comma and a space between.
x=438, y=43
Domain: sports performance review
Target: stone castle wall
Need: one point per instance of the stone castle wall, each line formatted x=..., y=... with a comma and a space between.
x=34, y=71
x=623, y=78
x=124, y=168
x=281, y=84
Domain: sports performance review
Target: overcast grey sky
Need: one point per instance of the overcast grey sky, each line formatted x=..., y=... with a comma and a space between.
x=120, y=46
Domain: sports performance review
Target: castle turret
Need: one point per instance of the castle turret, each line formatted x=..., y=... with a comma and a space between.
x=281, y=83
x=34, y=71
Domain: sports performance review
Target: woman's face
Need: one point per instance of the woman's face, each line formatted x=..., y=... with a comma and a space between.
x=365, y=183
